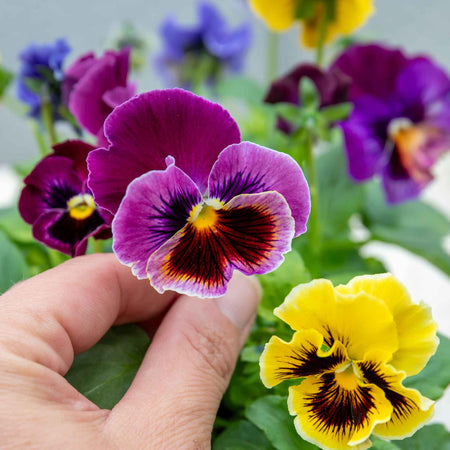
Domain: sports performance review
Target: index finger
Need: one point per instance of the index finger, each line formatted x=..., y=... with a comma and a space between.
x=67, y=309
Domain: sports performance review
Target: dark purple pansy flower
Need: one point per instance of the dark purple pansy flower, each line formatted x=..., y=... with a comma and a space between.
x=93, y=87
x=331, y=85
x=58, y=204
x=209, y=47
x=41, y=74
x=400, y=124
x=192, y=202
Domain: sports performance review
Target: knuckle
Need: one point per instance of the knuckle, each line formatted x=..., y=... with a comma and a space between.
x=214, y=350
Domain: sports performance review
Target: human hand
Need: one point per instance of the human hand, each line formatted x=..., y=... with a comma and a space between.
x=173, y=400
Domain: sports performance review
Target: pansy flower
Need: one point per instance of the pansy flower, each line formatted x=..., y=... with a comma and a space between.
x=352, y=348
x=400, y=123
x=203, y=51
x=58, y=204
x=93, y=87
x=347, y=16
x=331, y=85
x=192, y=202
x=41, y=73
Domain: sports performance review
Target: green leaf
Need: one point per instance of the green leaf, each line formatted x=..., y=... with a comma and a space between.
x=308, y=94
x=334, y=113
x=339, y=197
x=414, y=226
x=15, y=227
x=242, y=435
x=277, y=284
x=13, y=265
x=379, y=444
x=434, y=379
x=431, y=437
x=270, y=414
x=288, y=111
x=104, y=372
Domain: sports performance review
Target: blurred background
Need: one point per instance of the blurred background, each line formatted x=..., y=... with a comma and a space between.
x=415, y=25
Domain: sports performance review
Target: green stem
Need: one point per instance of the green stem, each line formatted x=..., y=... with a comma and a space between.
x=272, y=56
x=313, y=225
x=322, y=34
x=43, y=148
x=97, y=245
x=47, y=119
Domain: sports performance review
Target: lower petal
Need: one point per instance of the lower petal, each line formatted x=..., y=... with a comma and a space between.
x=58, y=230
x=334, y=417
x=250, y=233
x=410, y=409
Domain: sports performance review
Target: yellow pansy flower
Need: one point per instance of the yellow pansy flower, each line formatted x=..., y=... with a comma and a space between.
x=348, y=15
x=353, y=346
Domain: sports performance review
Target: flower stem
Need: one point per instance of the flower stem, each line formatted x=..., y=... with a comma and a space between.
x=47, y=118
x=97, y=245
x=322, y=34
x=272, y=56
x=314, y=230
x=43, y=148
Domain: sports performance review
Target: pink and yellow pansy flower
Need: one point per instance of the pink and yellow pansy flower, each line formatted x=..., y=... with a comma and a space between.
x=352, y=348
x=347, y=16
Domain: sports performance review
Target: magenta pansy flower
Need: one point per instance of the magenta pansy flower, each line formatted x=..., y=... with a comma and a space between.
x=400, y=124
x=58, y=204
x=192, y=202
x=93, y=87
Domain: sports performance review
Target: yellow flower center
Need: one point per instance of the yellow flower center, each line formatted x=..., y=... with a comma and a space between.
x=205, y=215
x=346, y=377
x=81, y=206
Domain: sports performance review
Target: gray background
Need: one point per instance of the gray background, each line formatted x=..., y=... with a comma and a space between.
x=417, y=25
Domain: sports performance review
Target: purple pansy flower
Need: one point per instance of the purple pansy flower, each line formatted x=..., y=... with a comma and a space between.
x=332, y=86
x=58, y=203
x=192, y=202
x=208, y=47
x=93, y=87
x=41, y=74
x=400, y=124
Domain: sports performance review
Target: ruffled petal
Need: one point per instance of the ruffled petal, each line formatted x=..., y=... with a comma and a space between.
x=157, y=205
x=410, y=409
x=299, y=358
x=250, y=233
x=278, y=15
x=416, y=328
x=146, y=129
x=360, y=322
x=77, y=151
x=247, y=168
x=336, y=415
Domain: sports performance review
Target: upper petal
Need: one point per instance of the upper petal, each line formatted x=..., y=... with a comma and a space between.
x=77, y=151
x=278, y=15
x=250, y=233
x=146, y=129
x=247, y=168
x=416, y=328
x=86, y=100
x=361, y=322
x=156, y=206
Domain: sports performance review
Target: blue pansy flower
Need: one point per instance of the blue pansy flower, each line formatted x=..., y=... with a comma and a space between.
x=41, y=74
x=199, y=53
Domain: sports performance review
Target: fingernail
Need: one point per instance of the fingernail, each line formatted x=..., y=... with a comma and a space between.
x=241, y=301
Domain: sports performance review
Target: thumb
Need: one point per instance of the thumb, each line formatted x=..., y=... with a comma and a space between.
x=174, y=398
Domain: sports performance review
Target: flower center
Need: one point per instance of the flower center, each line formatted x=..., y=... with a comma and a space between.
x=81, y=206
x=346, y=377
x=204, y=215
